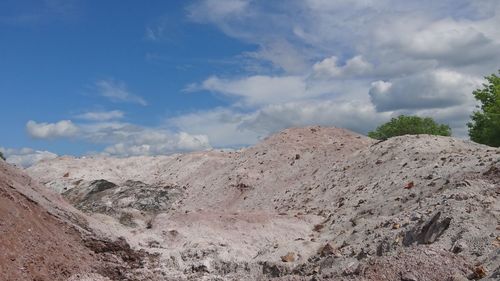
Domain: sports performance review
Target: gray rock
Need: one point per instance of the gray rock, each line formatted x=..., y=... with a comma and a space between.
x=429, y=232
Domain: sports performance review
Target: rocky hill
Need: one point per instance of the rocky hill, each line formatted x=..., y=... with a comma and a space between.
x=305, y=204
x=45, y=238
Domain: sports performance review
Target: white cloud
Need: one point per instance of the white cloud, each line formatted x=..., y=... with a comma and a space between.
x=121, y=139
x=222, y=126
x=26, y=157
x=229, y=128
x=147, y=141
x=63, y=128
x=346, y=63
x=101, y=115
x=258, y=90
x=117, y=91
x=354, y=115
x=449, y=42
x=321, y=61
x=192, y=142
x=430, y=90
x=353, y=67
x=281, y=54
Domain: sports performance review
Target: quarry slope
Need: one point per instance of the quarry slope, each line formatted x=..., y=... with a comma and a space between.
x=35, y=244
x=42, y=237
x=308, y=203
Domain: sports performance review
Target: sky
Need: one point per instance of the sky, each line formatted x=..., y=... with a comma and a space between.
x=124, y=78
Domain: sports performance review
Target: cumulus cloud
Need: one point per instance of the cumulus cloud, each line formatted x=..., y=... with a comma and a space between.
x=450, y=42
x=229, y=128
x=26, y=157
x=125, y=139
x=258, y=90
x=281, y=54
x=192, y=142
x=329, y=67
x=222, y=126
x=120, y=138
x=355, y=115
x=352, y=64
x=101, y=115
x=436, y=89
x=63, y=128
x=117, y=91
x=144, y=141
x=346, y=63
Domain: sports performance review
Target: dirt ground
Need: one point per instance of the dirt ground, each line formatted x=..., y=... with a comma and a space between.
x=34, y=244
x=308, y=203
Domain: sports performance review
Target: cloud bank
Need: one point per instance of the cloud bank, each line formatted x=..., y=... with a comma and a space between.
x=352, y=64
x=61, y=129
x=121, y=138
x=26, y=157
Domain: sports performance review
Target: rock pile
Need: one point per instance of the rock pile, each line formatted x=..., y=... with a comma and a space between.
x=305, y=204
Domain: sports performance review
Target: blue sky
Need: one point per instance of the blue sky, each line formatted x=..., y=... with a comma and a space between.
x=52, y=60
x=129, y=78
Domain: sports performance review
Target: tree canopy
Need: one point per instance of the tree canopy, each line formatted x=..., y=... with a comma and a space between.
x=409, y=125
x=485, y=124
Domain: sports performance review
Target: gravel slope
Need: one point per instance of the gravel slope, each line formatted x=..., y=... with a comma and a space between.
x=44, y=238
x=37, y=241
x=309, y=203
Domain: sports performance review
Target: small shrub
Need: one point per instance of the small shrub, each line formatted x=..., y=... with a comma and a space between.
x=409, y=125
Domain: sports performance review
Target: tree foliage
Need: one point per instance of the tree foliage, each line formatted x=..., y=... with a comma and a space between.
x=1, y=156
x=485, y=124
x=409, y=125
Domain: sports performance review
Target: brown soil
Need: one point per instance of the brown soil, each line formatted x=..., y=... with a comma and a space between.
x=43, y=238
x=34, y=245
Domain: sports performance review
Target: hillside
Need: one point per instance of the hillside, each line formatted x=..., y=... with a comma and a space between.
x=305, y=204
x=45, y=238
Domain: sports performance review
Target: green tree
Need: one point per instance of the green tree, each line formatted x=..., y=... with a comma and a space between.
x=409, y=125
x=485, y=124
x=1, y=156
